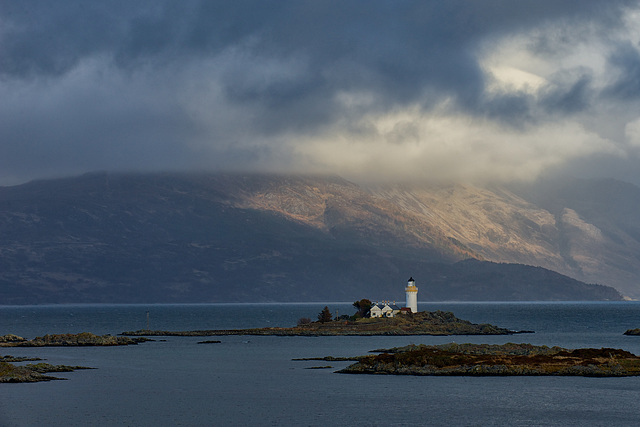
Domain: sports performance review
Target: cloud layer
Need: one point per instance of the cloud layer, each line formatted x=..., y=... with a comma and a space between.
x=376, y=90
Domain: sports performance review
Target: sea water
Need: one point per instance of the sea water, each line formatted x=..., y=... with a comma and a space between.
x=252, y=380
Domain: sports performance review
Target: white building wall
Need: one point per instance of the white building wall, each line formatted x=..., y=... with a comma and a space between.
x=412, y=296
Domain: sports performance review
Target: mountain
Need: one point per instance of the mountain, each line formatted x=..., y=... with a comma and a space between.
x=586, y=229
x=228, y=237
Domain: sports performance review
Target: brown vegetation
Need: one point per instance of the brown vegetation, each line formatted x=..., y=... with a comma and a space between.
x=507, y=359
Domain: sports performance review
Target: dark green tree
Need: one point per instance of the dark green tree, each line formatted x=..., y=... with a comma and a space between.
x=363, y=306
x=325, y=315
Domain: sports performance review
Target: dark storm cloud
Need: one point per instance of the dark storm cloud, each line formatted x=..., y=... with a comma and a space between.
x=575, y=96
x=168, y=84
x=402, y=46
x=626, y=61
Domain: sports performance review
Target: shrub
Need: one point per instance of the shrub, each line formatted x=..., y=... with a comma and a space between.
x=303, y=321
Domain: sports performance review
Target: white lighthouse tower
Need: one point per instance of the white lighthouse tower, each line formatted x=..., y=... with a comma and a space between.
x=412, y=295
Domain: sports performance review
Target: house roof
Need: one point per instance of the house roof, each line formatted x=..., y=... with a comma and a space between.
x=382, y=305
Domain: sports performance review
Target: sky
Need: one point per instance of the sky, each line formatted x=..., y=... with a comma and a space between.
x=374, y=91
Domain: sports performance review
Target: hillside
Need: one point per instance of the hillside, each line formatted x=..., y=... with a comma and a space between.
x=222, y=237
x=586, y=229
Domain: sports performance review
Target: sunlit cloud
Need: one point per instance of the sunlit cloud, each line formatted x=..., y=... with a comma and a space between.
x=412, y=145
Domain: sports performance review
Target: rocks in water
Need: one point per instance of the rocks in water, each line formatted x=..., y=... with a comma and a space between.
x=210, y=342
x=506, y=359
x=9, y=358
x=633, y=331
x=44, y=368
x=328, y=358
x=35, y=372
x=81, y=339
x=10, y=339
x=10, y=373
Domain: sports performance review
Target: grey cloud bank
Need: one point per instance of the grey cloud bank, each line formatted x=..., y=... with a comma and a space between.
x=382, y=90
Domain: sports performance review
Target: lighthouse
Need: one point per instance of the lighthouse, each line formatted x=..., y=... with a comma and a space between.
x=412, y=295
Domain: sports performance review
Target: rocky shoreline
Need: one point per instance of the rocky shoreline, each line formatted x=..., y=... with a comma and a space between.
x=11, y=373
x=57, y=340
x=422, y=323
x=497, y=360
x=29, y=373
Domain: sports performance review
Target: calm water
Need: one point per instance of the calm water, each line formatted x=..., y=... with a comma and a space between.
x=252, y=380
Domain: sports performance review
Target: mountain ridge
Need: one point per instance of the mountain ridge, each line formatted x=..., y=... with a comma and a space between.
x=171, y=237
x=586, y=229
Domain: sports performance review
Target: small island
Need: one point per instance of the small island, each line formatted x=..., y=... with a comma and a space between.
x=57, y=340
x=635, y=331
x=497, y=360
x=380, y=318
x=421, y=323
x=11, y=373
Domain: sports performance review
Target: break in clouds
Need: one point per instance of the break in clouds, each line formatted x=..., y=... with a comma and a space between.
x=370, y=90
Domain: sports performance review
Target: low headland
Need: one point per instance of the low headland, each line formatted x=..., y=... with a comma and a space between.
x=497, y=360
x=421, y=323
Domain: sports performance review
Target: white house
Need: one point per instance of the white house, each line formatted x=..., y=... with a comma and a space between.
x=384, y=309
